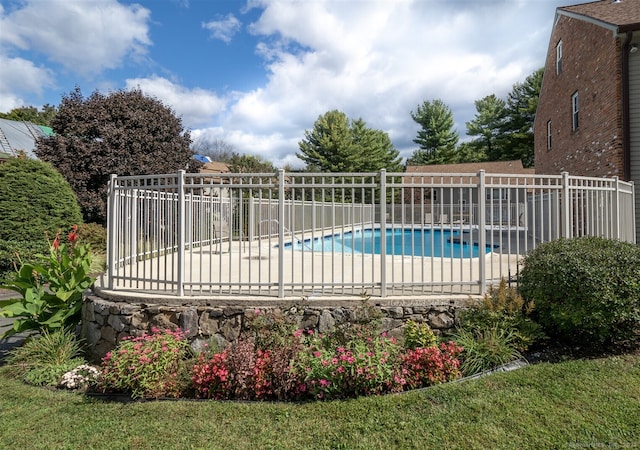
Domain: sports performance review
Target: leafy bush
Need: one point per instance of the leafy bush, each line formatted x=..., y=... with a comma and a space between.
x=122, y=132
x=271, y=329
x=364, y=323
x=95, y=235
x=65, y=275
x=586, y=290
x=486, y=349
x=35, y=201
x=364, y=366
x=503, y=308
x=43, y=359
x=425, y=366
x=147, y=366
x=418, y=335
x=12, y=253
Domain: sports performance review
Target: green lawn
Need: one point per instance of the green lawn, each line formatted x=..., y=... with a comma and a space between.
x=575, y=404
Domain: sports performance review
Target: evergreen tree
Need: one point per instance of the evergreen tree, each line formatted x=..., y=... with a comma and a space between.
x=521, y=111
x=488, y=126
x=336, y=144
x=437, y=138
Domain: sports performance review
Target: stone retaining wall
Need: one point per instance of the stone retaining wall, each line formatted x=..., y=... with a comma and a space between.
x=105, y=321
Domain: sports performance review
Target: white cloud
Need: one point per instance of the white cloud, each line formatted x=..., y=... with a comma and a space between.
x=20, y=76
x=378, y=60
x=197, y=106
x=84, y=37
x=223, y=29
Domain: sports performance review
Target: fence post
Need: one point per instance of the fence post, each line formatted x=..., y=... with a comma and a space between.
x=111, y=229
x=181, y=232
x=633, y=213
x=383, y=233
x=252, y=219
x=280, y=233
x=482, y=231
x=615, y=213
x=566, y=206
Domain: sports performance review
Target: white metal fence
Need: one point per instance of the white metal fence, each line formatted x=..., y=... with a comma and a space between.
x=291, y=234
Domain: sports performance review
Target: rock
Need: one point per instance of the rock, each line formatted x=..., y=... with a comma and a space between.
x=388, y=323
x=230, y=329
x=115, y=321
x=209, y=324
x=440, y=320
x=327, y=322
x=309, y=319
x=397, y=312
x=188, y=322
x=108, y=334
x=91, y=333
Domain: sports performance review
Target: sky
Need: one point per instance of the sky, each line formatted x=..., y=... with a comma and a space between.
x=257, y=73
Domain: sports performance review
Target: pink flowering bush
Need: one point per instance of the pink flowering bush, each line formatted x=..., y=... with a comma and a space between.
x=210, y=376
x=297, y=365
x=147, y=366
x=246, y=372
x=425, y=366
x=363, y=366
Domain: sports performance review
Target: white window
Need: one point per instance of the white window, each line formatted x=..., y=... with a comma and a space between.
x=559, y=58
x=575, y=109
x=548, y=135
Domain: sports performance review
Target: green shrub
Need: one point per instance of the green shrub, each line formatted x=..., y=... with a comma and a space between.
x=271, y=329
x=43, y=359
x=35, y=201
x=95, y=235
x=418, y=335
x=504, y=308
x=13, y=253
x=586, y=290
x=147, y=366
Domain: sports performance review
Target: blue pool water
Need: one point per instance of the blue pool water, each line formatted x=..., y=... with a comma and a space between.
x=399, y=241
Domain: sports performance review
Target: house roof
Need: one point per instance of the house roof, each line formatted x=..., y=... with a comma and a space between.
x=506, y=167
x=17, y=135
x=215, y=167
x=621, y=15
x=446, y=173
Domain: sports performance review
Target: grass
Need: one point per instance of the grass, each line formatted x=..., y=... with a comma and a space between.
x=574, y=404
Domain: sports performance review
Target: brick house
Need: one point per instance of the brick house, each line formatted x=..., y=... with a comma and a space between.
x=588, y=117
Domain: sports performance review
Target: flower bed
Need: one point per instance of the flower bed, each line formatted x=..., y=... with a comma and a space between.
x=275, y=365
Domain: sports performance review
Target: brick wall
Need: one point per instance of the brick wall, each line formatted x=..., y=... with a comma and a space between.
x=590, y=66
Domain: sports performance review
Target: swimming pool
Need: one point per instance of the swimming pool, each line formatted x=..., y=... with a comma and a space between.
x=399, y=241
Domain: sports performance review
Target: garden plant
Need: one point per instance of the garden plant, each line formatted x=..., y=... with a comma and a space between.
x=50, y=291
x=586, y=291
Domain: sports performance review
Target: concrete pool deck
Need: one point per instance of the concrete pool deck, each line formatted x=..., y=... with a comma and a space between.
x=252, y=269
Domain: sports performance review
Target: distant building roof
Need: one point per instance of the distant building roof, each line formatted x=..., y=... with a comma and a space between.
x=621, y=15
x=16, y=136
x=507, y=167
x=215, y=167
x=444, y=173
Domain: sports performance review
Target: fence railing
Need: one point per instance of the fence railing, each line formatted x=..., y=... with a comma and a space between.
x=292, y=234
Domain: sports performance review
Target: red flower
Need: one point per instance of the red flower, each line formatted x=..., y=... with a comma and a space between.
x=56, y=242
x=73, y=235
